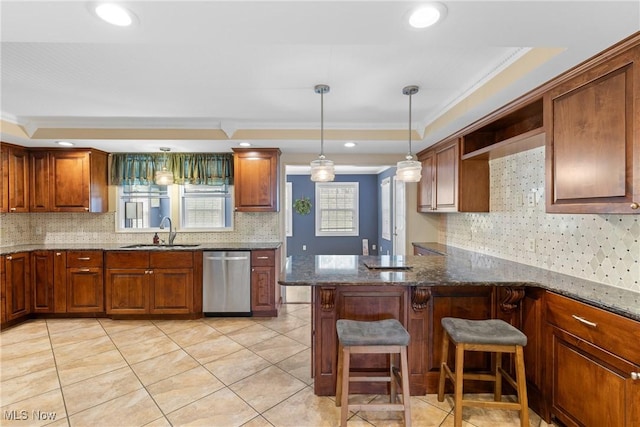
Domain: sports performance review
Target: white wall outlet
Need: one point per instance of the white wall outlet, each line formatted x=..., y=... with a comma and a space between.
x=531, y=199
x=530, y=245
x=304, y=247
x=373, y=247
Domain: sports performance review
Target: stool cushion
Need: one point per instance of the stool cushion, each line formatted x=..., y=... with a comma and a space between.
x=380, y=332
x=491, y=331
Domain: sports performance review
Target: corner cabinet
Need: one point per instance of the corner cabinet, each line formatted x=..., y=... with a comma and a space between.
x=69, y=181
x=256, y=179
x=593, y=365
x=265, y=290
x=15, y=179
x=450, y=184
x=593, y=139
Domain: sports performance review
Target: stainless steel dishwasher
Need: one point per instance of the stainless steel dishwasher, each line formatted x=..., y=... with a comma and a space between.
x=226, y=283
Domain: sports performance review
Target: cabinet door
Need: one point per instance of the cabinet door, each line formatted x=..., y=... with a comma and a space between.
x=70, y=181
x=592, y=162
x=17, y=285
x=263, y=297
x=426, y=185
x=42, y=277
x=85, y=291
x=172, y=290
x=446, y=177
x=4, y=175
x=590, y=387
x=18, y=187
x=256, y=180
x=127, y=291
x=39, y=182
x=60, y=281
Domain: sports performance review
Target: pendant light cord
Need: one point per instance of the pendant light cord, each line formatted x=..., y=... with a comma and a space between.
x=410, y=96
x=321, y=124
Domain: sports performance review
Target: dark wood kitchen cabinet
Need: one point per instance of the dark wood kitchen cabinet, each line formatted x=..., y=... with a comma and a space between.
x=42, y=281
x=265, y=290
x=450, y=184
x=593, y=365
x=593, y=139
x=256, y=179
x=85, y=284
x=141, y=283
x=69, y=181
x=17, y=285
x=15, y=179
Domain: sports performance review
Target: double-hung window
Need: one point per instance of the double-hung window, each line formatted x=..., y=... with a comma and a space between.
x=142, y=206
x=206, y=207
x=337, y=209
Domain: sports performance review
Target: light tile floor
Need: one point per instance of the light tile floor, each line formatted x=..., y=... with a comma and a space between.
x=208, y=372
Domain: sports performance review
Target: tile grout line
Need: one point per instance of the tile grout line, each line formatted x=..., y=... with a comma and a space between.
x=55, y=364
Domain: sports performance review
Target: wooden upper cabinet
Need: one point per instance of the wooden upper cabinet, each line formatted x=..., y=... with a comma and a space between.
x=256, y=179
x=450, y=184
x=69, y=181
x=593, y=139
x=16, y=186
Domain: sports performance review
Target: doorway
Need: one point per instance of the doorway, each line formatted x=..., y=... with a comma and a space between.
x=399, y=217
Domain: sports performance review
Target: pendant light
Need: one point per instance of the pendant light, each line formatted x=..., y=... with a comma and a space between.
x=409, y=170
x=322, y=170
x=164, y=177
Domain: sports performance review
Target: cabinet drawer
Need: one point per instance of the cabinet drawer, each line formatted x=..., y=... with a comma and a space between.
x=171, y=259
x=263, y=258
x=77, y=259
x=127, y=259
x=614, y=333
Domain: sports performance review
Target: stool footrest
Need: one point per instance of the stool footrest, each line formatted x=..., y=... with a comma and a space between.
x=491, y=404
x=378, y=407
x=369, y=379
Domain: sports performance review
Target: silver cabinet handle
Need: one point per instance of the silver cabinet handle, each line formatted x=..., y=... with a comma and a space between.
x=635, y=375
x=86, y=209
x=9, y=258
x=84, y=258
x=13, y=209
x=262, y=257
x=585, y=321
x=635, y=205
x=58, y=253
x=84, y=270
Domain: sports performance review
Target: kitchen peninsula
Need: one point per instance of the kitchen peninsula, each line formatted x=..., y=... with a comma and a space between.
x=420, y=290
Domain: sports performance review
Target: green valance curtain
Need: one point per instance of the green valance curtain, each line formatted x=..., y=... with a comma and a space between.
x=187, y=168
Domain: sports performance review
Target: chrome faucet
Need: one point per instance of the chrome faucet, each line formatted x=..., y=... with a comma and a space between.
x=172, y=231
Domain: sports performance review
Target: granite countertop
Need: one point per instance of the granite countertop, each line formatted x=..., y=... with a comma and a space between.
x=450, y=266
x=206, y=246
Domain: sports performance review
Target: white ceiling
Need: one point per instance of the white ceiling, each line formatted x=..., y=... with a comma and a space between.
x=236, y=65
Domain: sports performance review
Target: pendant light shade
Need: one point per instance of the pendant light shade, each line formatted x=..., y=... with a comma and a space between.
x=409, y=170
x=164, y=177
x=322, y=169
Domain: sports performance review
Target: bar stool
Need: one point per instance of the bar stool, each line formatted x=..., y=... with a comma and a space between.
x=382, y=336
x=491, y=335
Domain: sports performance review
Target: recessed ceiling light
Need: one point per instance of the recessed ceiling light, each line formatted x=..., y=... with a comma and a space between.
x=350, y=144
x=427, y=15
x=65, y=143
x=244, y=144
x=114, y=14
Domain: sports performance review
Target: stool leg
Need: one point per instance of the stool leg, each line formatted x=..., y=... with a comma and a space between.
x=443, y=362
x=339, y=377
x=406, y=394
x=457, y=392
x=393, y=392
x=521, y=379
x=344, y=401
x=497, y=389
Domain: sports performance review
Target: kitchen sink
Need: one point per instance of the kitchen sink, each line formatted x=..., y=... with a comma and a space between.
x=148, y=246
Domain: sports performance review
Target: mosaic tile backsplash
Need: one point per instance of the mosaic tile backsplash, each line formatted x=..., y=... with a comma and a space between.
x=600, y=248
x=42, y=228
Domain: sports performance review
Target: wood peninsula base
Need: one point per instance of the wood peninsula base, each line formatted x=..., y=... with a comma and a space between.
x=419, y=309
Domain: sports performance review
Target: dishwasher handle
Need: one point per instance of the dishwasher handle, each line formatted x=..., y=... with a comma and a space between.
x=230, y=258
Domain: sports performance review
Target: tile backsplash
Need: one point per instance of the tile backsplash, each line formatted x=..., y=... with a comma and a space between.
x=600, y=248
x=42, y=228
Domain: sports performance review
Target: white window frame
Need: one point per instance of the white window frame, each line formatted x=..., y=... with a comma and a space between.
x=288, y=195
x=385, y=206
x=319, y=186
x=225, y=199
x=121, y=211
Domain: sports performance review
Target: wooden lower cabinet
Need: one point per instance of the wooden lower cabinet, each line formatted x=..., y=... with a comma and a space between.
x=17, y=286
x=265, y=290
x=85, y=290
x=140, y=283
x=593, y=365
x=42, y=281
